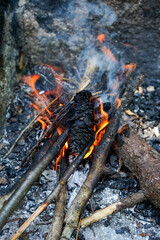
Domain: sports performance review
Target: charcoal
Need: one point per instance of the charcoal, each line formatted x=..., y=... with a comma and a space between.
x=82, y=122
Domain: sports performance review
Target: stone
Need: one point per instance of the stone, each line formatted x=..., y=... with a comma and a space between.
x=150, y=89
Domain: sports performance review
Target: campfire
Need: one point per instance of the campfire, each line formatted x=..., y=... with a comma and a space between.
x=76, y=120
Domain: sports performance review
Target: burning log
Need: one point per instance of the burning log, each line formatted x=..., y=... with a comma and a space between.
x=32, y=175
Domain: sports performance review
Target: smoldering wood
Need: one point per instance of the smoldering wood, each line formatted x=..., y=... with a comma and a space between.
x=83, y=122
x=31, y=176
x=144, y=162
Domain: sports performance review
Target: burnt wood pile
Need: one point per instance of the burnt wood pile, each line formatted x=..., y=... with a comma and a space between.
x=77, y=121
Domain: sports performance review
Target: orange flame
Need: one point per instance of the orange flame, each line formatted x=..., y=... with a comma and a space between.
x=62, y=151
x=103, y=122
x=124, y=128
x=107, y=52
x=41, y=99
x=130, y=67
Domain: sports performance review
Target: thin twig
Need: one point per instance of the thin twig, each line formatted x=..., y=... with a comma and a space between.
x=29, y=125
x=79, y=225
x=59, y=212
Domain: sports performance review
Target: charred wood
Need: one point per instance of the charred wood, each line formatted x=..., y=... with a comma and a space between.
x=83, y=122
x=98, y=167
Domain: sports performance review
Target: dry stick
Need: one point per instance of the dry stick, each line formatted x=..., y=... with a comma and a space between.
x=29, y=125
x=86, y=79
x=98, y=167
x=59, y=213
x=32, y=175
x=54, y=194
x=97, y=170
x=129, y=201
x=57, y=222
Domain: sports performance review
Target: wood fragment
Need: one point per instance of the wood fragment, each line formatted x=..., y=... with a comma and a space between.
x=115, y=207
x=57, y=222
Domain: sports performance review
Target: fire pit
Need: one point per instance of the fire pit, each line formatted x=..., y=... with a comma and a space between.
x=78, y=98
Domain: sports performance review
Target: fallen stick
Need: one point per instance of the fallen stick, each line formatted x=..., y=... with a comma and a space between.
x=54, y=193
x=98, y=169
x=59, y=212
x=32, y=175
x=144, y=162
x=127, y=202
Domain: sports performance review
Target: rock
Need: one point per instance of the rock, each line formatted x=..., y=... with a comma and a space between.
x=3, y=180
x=8, y=57
x=150, y=89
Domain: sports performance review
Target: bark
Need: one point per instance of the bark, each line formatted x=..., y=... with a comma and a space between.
x=144, y=162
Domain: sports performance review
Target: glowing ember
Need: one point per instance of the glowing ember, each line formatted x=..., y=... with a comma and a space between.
x=118, y=103
x=130, y=67
x=101, y=37
x=62, y=151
